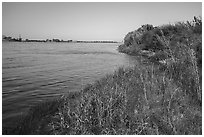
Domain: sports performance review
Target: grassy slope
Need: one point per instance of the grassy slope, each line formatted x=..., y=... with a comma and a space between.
x=152, y=98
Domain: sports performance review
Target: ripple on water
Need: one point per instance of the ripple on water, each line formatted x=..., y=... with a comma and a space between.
x=34, y=72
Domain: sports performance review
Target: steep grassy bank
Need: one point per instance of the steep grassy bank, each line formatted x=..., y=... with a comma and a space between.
x=160, y=95
x=177, y=49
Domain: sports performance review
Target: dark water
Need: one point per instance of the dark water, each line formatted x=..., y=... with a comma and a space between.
x=33, y=72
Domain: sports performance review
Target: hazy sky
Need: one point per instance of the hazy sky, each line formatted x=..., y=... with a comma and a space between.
x=89, y=21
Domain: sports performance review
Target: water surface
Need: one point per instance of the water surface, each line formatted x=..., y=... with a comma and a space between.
x=34, y=72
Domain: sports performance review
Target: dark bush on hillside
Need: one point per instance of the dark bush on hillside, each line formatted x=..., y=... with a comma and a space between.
x=150, y=41
x=145, y=28
x=168, y=30
x=134, y=36
x=128, y=40
x=132, y=41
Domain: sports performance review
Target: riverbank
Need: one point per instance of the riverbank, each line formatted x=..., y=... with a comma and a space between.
x=141, y=100
x=160, y=95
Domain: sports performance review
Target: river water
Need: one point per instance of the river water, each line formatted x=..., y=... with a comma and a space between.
x=34, y=72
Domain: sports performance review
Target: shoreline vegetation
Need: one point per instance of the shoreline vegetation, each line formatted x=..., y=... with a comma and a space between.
x=160, y=95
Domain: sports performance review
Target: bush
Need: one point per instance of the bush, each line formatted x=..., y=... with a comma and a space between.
x=151, y=42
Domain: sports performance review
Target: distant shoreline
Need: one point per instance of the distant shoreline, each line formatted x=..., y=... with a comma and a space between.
x=68, y=42
x=61, y=41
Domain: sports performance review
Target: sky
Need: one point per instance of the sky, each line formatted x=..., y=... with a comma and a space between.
x=90, y=21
